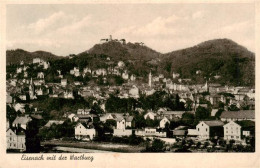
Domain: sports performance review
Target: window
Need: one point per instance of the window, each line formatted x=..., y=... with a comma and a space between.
x=198, y=129
x=206, y=129
x=202, y=124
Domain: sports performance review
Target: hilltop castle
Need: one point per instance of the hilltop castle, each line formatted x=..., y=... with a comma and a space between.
x=122, y=41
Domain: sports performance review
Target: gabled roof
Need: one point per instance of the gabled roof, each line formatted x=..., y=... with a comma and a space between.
x=57, y=122
x=242, y=114
x=214, y=123
x=22, y=120
x=179, y=132
x=36, y=116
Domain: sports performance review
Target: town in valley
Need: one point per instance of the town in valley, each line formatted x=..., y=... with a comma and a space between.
x=107, y=100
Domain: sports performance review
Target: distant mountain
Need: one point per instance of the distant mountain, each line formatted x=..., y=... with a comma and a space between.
x=15, y=56
x=221, y=57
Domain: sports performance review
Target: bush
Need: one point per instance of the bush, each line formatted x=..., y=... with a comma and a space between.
x=157, y=146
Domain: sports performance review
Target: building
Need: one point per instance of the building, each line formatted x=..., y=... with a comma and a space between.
x=238, y=115
x=21, y=122
x=150, y=79
x=15, y=139
x=210, y=129
x=232, y=130
x=150, y=115
x=37, y=60
x=164, y=121
x=124, y=122
x=63, y=82
x=85, y=131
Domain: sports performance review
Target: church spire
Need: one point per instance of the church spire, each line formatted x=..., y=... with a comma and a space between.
x=150, y=79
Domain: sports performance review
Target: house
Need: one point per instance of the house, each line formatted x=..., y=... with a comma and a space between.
x=36, y=61
x=63, y=82
x=232, y=130
x=40, y=75
x=21, y=122
x=124, y=122
x=83, y=111
x=134, y=92
x=238, y=115
x=73, y=117
x=164, y=121
x=179, y=133
x=192, y=132
x=9, y=98
x=247, y=128
x=150, y=115
x=111, y=116
x=19, y=107
x=84, y=131
x=15, y=139
x=68, y=94
x=210, y=129
x=173, y=115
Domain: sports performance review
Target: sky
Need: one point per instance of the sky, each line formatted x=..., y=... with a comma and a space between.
x=71, y=29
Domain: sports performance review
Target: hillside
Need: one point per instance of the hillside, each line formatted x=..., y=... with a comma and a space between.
x=232, y=63
x=15, y=56
x=129, y=51
x=223, y=57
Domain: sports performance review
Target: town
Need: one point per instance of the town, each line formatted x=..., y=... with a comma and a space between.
x=50, y=104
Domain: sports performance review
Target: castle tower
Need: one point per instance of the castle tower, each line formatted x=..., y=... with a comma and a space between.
x=150, y=79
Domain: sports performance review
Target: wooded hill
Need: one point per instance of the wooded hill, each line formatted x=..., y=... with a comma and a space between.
x=232, y=63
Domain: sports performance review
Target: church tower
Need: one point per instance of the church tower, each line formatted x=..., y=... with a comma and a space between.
x=206, y=86
x=150, y=79
x=31, y=90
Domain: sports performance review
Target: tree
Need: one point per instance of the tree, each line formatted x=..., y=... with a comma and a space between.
x=157, y=146
x=202, y=113
x=32, y=140
x=188, y=118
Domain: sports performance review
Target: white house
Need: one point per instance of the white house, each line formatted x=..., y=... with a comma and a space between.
x=21, y=122
x=150, y=114
x=134, y=91
x=124, y=122
x=73, y=117
x=63, y=82
x=85, y=131
x=15, y=139
x=40, y=75
x=164, y=121
x=207, y=129
x=232, y=130
x=36, y=60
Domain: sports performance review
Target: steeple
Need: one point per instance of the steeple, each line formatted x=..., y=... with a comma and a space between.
x=150, y=79
x=206, y=86
x=31, y=90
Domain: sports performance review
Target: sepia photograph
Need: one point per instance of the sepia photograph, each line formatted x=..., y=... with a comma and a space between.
x=130, y=78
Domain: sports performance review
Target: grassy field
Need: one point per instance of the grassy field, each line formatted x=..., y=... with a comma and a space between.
x=95, y=145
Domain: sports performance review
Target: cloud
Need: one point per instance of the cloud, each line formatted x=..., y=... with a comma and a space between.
x=160, y=26
x=44, y=24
